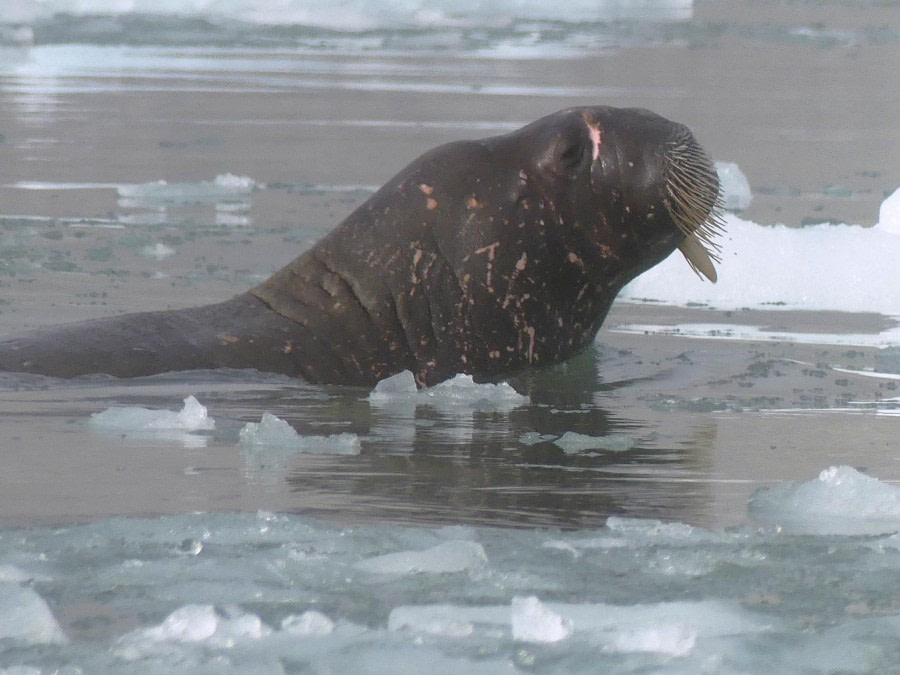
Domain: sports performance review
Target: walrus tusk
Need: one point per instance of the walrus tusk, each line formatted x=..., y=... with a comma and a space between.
x=698, y=257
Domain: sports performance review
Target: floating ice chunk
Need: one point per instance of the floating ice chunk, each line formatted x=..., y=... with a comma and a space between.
x=559, y=545
x=533, y=438
x=14, y=574
x=532, y=621
x=445, y=558
x=225, y=187
x=458, y=390
x=840, y=501
x=735, y=187
x=193, y=625
x=25, y=617
x=889, y=213
x=663, y=626
x=649, y=527
x=670, y=628
x=572, y=442
x=158, y=251
x=463, y=389
x=576, y=547
x=232, y=183
x=274, y=432
x=672, y=639
x=446, y=620
x=310, y=622
x=192, y=417
x=29, y=670
x=399, y=387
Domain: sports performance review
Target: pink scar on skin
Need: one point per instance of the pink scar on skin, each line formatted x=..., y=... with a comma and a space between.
x=596, y=137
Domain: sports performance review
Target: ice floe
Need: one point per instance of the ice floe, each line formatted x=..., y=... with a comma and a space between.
x=816, y=267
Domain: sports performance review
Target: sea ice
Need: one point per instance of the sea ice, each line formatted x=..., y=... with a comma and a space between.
x=273, y=432
x=134, y=419
x=356, y=16
x=396, y=388
x=232, y=183
x=774, y=267
x=672, y=639
x=534, y=437
x=223, y=188
x=532, y=621
x=193, y=624
x=158, y=251
x=735, y=187
x=446, y=620
x=310, y=623
x=649, y=528
x=245, y=602
x=25, y=616
x=458, y=390
x=889, y=213
x=445, y=558
x=573, y=443
x=840, y=501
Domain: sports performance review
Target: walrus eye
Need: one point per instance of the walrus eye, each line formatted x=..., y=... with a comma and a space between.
x=572, y=156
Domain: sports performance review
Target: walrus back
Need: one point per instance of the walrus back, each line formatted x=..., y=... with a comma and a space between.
x=147, y=343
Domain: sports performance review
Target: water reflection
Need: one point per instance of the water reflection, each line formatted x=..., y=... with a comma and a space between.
x=422, y=463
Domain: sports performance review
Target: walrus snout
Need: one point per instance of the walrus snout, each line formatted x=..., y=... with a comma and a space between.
x=654, y=172
x=693, y=200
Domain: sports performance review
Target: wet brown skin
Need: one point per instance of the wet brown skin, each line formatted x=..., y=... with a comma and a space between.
x=480, y=257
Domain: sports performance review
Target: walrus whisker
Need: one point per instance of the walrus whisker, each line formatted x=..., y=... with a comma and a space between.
x=695, y=204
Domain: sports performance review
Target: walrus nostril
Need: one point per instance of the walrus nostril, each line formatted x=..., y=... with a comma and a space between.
x=694, y=201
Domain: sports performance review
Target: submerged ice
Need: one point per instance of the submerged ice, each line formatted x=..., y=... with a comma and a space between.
x=267, y=592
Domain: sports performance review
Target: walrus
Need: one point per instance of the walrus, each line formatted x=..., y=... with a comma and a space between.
x=481, y=257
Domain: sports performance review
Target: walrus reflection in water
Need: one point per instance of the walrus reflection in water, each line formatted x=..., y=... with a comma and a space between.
x=480, y=257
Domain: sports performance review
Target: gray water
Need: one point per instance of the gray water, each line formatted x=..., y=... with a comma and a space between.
x=640, y=539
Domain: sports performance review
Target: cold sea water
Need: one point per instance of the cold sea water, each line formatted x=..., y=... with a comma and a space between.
x=712, y=487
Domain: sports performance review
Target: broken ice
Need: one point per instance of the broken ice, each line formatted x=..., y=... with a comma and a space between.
x=840, y=501
x=225, y=188
x=276, y=433
x=572, y=442
x=192, y=417
x=446, y=557
x=460, y=390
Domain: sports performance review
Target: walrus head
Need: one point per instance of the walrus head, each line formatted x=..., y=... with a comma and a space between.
x=653, y=188
x=484, y=256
